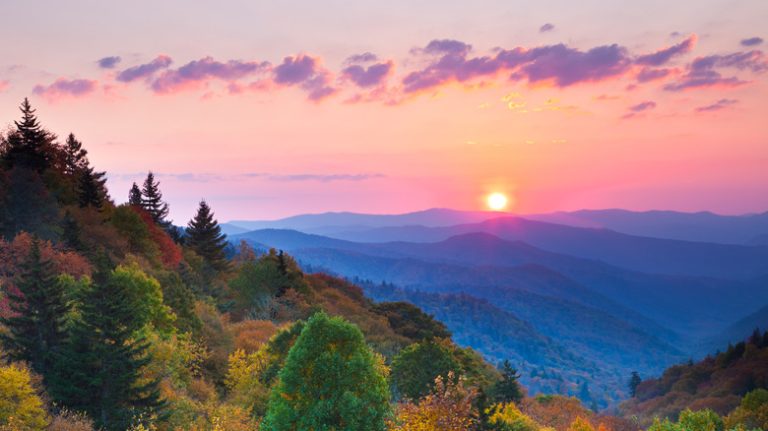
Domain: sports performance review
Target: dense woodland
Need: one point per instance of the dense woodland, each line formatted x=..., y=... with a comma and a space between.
x=112, y=317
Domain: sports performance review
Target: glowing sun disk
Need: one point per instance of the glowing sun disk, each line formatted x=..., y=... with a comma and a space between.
x=497, y=201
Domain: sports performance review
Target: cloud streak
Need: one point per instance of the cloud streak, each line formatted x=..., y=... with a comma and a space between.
x=216, y=177
x=662, y=56
x=717, y=106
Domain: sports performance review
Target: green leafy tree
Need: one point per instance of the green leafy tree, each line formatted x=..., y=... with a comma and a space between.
x=416, y=367
x=205, y=238
x=36, y=327
x=152, y=201
x=100, y=368
x=331, y=381
x=701, y=420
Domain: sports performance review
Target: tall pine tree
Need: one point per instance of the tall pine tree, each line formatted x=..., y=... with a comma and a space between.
x=29, y=145
x=134, y=196
x=75, y=156
x=36, y=327
x=205, y=238
x=99, y=372
x=152, y=201
x=91, y=189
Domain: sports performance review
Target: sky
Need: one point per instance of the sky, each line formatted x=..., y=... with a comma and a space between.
x=267, y=109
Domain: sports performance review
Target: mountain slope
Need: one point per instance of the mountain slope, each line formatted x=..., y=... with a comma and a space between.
x=717, y=382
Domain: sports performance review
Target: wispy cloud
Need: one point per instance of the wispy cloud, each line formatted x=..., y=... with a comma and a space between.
x=663, y=56
x=217, y=177
x=634, y=110
x=546, y=27
x=717, y=106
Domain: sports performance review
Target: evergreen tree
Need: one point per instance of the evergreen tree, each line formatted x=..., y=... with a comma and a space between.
x=75, y=157
x=134, y=196
x=331, y=381
x=91, y=189
x=29, y=145
x=508, y=388
x=152, y=201
x=100, y=366
x=205, y=238
x=634, y=382
x=39, y=309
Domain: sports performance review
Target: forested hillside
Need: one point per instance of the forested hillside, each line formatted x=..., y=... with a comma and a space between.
x=718, y=382
x=112, y=317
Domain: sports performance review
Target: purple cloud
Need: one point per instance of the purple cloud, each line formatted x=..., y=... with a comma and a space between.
x=368, y=76
x=198, y=71
x=546, y=27
x=568, y=66
x=306, y=72
x=63, y=87
x=702, y=71
x=295, y=70
x=752, y=41
x=447, y=46
x=144, y=70
x=648, y=74
x=563, y=65
x=108, y=62
x=662, y=56
x=717, y=106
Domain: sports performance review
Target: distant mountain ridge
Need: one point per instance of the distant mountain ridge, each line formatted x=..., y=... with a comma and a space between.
x=700, y=226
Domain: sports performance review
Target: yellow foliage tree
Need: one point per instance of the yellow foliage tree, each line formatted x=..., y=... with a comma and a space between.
x=581, y=424
x=20, y=407
x=507, y=417
x=447, y=408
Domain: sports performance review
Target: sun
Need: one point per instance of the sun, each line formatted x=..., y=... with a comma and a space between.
x=497, y=201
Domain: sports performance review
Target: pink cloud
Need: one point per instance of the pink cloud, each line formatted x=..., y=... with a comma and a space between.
x=4, y=85
x=63, y=88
